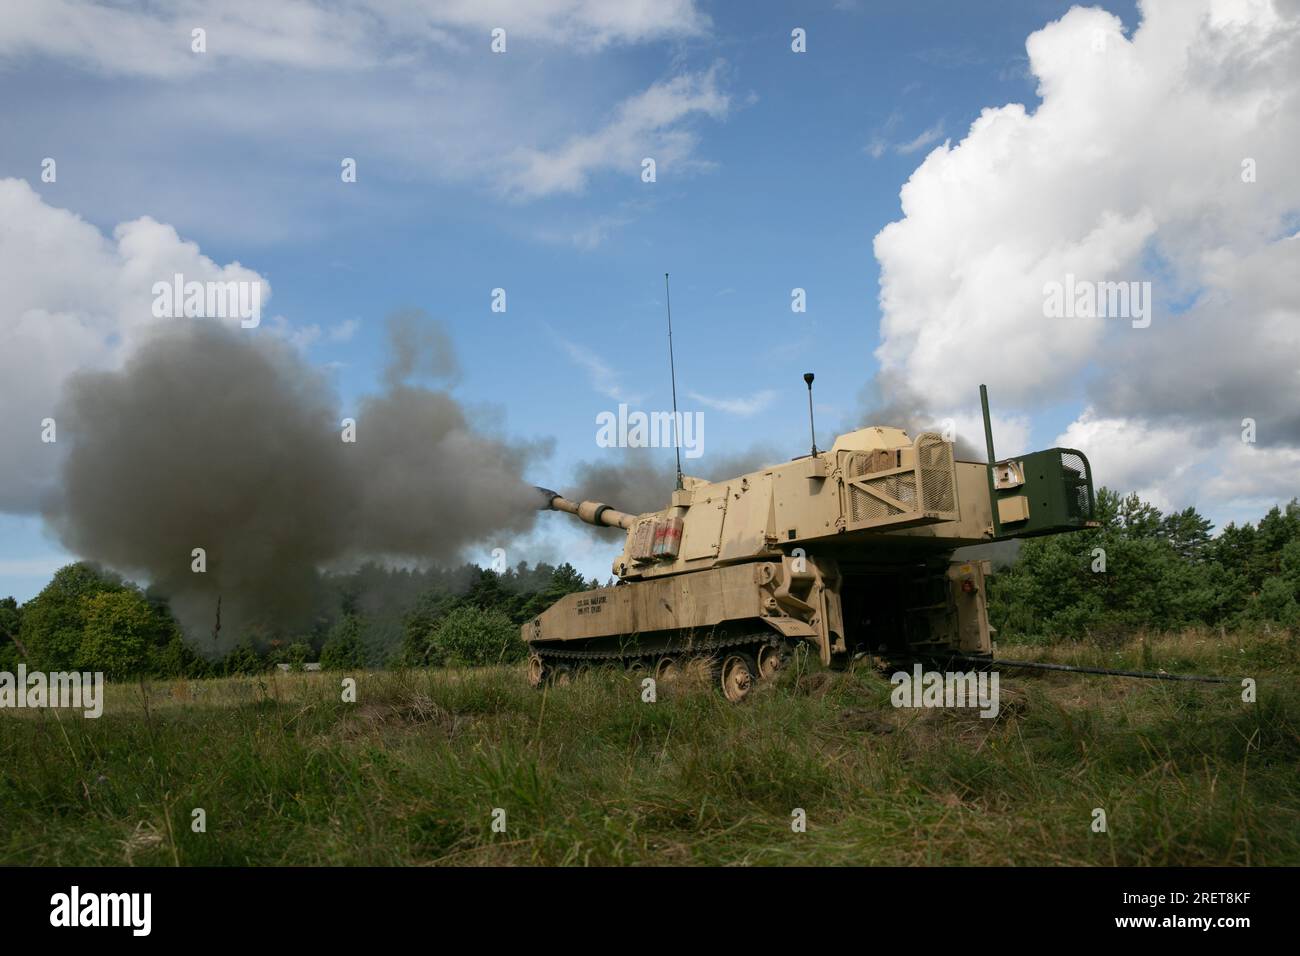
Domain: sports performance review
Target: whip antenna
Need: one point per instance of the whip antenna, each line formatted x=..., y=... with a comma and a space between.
x=808, y=380
x=672, y=369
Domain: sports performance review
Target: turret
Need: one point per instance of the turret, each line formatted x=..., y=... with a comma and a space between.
x=877, y=494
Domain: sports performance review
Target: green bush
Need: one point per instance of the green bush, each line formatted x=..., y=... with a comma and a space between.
x=1275, y=602
x=54, y=622
x=120, y=628
x=471, y=636
x=344, y=650
x=11, y=619
x=244, y=661
x=177, y=659
x=296, y=655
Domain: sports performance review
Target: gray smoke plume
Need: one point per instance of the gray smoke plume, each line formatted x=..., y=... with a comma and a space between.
x=419, y=348
x=887, y=400
x=209, y=438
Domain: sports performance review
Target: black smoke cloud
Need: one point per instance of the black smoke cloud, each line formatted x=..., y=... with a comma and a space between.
x=213, y=438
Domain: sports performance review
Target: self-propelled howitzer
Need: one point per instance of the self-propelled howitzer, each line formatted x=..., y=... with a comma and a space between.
x=846, y=550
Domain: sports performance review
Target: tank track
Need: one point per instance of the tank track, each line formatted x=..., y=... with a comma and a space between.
x=634, y=654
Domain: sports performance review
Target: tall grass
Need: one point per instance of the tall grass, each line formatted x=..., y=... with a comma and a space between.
x=287, y=773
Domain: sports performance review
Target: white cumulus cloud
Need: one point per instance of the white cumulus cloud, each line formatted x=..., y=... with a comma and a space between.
x=1165, y=155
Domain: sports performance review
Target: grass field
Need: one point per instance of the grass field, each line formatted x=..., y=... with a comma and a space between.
x=412, y=772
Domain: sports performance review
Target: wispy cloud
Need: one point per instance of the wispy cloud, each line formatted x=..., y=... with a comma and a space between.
x=592, y=232
x=646, y=125
x=602, y=377
x=343, y=331
x=156, y=39
x=303, y=335
x=921, y=140
x=300, y=335
x=742, y=405
x=409, y=89
x=882, y=142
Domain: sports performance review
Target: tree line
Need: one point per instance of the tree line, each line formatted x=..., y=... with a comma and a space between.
x=1138, y=569
x=89, y=619
x=1144, y=570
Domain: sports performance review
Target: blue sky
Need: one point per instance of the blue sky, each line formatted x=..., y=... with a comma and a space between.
x=521, y=171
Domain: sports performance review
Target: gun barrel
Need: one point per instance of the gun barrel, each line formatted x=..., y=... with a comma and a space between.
x=592, y=512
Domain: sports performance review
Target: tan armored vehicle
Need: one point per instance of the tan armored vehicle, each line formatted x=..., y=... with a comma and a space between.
x=848, y=550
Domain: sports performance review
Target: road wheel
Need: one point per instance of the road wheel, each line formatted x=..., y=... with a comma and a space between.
x=769, y=661
x=736, y=675
x=667, y=670
x=561, y=675
x=536, y=670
